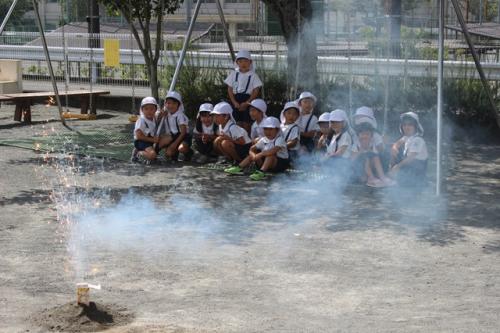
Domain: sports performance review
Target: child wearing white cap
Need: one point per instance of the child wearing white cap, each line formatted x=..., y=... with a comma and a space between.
x=175, y=122
x=365, y=114
x=204, y=132
x=243, y=86
x=409, y=153
x=326, y=132
x=258, y=109
x=291, y=129
x=270, y=153
x=145, y=131
x=308, y=122
x=232, y=141
x=340, y=145
x=367, y=165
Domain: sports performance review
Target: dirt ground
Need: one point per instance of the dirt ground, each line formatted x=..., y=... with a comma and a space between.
x=177, y=248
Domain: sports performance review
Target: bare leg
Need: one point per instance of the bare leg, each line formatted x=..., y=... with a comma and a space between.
x=149, y=153
x=269, y=163
x=246, y=162
x=184, y=148
x=378, y=167
x=164, y=141
x=230, y=151
x=368, y=170
x=217, y=146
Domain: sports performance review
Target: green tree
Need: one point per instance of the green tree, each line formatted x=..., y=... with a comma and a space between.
x=16, y=18
x=300, y=37
x=142, y=17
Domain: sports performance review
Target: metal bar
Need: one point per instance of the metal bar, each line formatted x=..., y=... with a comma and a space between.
x=9, y=13
x=476, y=60
x=440, y=97
x=49, y=64
x=185, y=45
x=224, y=28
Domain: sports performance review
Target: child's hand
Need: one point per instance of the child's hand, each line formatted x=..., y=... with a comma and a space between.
x=225, y=137
x=156, y=139
x=258, y=156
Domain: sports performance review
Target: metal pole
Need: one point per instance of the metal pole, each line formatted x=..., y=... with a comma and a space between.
x=476, y=60
x=49, y=64
x=185, y=46
x=440, y=97
x=224, y=28
x=6, y=18
x=349, y=58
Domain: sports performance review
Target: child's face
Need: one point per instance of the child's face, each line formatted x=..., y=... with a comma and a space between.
x=365, y=137
x=409, y=128
x=149, y=111
x=324, y=127
x=291, y=115
x=171, y=105
x=270, y=133
x=221, y=119
x=255, y=114
x=244, y=64
x=307, y=105
x=206, y=118
x=337, y=126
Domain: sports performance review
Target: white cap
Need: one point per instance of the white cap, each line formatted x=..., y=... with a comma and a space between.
x=174, y=95
x=245, y=54
x=364, y=111
x=271, y=122
x=307, y=94
x=414, y=116
x=324, y=117
x=149, y=100
x=291, y=105
x=222, y=108
x=338, y=115
x=260, y=105
x=206, y=107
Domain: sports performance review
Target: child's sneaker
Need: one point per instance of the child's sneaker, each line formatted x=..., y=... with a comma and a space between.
x=202, y=159
x=222, y=160
x=375, y=182
x=389, y=182
x=142, y=159
x=234, y=170
x=134, y=158
x=257, y=175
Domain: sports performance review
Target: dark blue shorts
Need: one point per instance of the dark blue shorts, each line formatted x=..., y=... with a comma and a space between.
x=242, y=150
x=142, y=145
x=281, y=165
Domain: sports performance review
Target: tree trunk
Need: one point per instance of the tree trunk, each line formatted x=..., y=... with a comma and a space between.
x=395, y=28
x=300, y=37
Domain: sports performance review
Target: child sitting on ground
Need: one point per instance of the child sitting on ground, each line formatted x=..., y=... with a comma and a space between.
x=409, y=154
x=145, y=131
x=308, y=122
x=232, y=141
x=204, y=133
x=291, y=129
x=270, y=153
x=367, y=165
x=243, y=86
x=339, y=149
x=366, y=114
x=326, y=132
x=258, y=110
x=177, y=145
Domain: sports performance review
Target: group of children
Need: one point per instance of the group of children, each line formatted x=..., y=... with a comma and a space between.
x=240, y=133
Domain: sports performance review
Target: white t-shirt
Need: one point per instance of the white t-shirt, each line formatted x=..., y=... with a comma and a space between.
x=308, y=122
x=264, y=144
x=291, y=132
x=173, y=122
x=377, y=139
x=206, y=129
x=339, y=141
x=147, y=127
x=234, y=131
x=240, y=84
x=257, y=131
x=415, y=144
x=356, y=146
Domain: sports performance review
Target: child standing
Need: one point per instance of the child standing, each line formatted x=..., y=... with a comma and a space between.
x=291, y=129
x=270, y=153
x=326, y=132
x=205, y=132
x=233, y=141
x=243, y=86
x=308, y=121
x=175, y=122
x=258, y=110
x=409, y=154
x=145, y=131
x=367, y=165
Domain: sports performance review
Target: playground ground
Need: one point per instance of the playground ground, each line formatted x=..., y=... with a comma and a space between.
x=286, y=255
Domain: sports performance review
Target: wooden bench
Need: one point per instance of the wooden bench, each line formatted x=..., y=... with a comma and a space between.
x=24, y=101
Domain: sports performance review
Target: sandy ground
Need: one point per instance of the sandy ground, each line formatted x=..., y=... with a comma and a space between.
x=193, y=250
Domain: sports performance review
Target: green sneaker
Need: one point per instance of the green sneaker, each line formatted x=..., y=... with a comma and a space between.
x=257, y=175
x=234, y=170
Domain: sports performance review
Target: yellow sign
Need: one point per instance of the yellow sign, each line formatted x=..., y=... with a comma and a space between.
x=111, y=52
